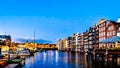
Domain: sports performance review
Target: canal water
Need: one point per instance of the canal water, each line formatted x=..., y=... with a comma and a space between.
x=59, y=59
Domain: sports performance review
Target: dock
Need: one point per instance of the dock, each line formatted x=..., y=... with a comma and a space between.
x=11, y=66
x=105, y=54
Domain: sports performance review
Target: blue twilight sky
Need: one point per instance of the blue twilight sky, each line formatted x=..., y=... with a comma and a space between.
x=53, y=19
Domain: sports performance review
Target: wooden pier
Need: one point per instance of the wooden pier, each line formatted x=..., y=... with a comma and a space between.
x=105, y=54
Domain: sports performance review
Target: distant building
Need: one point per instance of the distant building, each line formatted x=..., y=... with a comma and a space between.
x=96, y=37
x=47, y=46
x=108, y=29
x=86, y=41
x=102, y=31
x=62, y=44
x=5, y=40
x=31, y=45
x=90, y=40
x=76, y=42
x=65, y=44
x=82, y=43
x=73, y=42
x=113, y=29
x=69, y=44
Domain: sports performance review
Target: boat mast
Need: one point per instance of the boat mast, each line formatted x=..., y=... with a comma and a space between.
x=34, y=38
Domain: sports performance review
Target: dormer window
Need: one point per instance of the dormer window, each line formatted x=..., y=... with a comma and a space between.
x=110, y=28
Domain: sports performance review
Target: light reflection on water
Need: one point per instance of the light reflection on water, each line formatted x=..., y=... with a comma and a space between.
x=59, y=59
x=118, y=61
x=57, y=56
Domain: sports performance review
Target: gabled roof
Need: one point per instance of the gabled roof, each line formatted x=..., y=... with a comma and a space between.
x=114, y=22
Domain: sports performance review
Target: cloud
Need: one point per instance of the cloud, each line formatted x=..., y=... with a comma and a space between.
x=40, y=41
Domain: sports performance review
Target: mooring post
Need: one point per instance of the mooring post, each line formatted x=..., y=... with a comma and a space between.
x=94, y=54
x=106, y=55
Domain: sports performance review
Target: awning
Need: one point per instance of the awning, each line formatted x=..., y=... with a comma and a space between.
x=111, y=40
x=104, y=41
x=115, y=39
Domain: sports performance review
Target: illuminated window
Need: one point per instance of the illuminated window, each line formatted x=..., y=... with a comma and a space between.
x=119, y=28
x=108, y=34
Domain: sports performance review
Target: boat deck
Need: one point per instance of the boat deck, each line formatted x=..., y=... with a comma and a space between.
x=11, y=66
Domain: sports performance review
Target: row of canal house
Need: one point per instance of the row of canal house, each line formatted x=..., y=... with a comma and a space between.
x=90, y=39
x=107, y=30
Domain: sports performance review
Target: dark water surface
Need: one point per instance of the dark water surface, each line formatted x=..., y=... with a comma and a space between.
x=59, y=59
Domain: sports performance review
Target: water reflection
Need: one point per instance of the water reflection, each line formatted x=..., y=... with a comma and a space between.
x=44, y=57
x=59, y=59
x=57, y=56
x=118, y=61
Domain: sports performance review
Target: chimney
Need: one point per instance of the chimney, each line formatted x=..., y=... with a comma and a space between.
x=118, y=20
